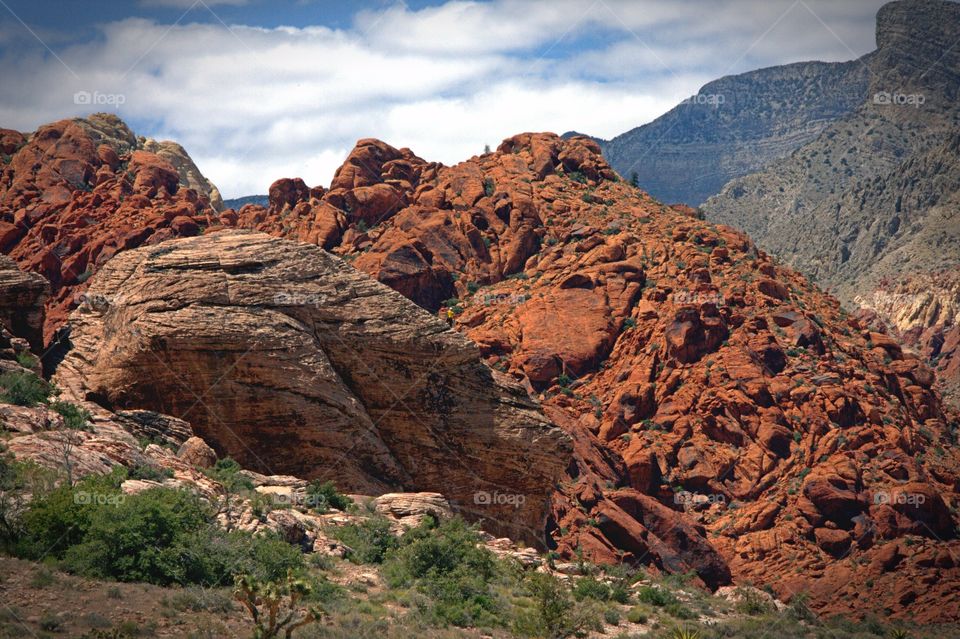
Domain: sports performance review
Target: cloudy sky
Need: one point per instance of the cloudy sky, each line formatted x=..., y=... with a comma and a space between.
x=261, y=89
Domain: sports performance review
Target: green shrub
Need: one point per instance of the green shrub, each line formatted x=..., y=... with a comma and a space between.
x=139, y=538
x=678, y=610
x=368, y=541
x=159, y=536
x=612, y=616
x=27, y=359
x=655, y=596
x=637, y=614
x=323, y=496
x=59, y=519
x=149, y=472
x=555, y=614
x=752, y=603
x=489, y=188
x=227, y=472
x=74, y=417
x=590, y=588
x=211, y=555
x=446, y=564
x=23, y=388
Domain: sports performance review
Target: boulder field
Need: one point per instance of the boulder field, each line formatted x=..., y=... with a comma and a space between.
x=722, y=415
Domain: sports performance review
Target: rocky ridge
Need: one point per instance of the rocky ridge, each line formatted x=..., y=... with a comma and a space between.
x=734, y=126
x=727, y=417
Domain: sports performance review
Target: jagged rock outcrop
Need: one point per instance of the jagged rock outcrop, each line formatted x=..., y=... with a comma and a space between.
x=923, y=311
x=283, y=357
x=75, y=192
x=190, y=175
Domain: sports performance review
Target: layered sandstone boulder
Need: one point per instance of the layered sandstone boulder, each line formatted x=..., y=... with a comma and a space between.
x=22, y=299
x=288, y=360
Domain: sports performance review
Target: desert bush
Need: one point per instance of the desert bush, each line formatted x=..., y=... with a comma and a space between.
x=323, y=496
x=445, y=563
x=23, y=388
x=227, y=472
x=158, y=536
x=752, y=603
x=591, y=588
x=555, y=614
x=149, y=472
x=139, y=538
x=74, y=417
x=659, y=597
x=369, y=541
x=58, y=519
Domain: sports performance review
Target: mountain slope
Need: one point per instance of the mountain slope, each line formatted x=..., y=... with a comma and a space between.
x=734, y=126
x=874, y=197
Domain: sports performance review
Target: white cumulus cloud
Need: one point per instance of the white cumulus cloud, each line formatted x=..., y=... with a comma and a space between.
x=252, y=104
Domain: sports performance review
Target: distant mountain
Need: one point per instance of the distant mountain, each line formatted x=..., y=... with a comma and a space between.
x=238, y=202
x=734, y=126
x=874, y=197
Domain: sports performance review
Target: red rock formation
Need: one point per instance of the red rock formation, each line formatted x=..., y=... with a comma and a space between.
x=728, y=417
x=72, y=196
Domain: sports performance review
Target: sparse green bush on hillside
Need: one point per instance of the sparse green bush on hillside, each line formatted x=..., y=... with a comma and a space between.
x=445, y=563
x=158, y=536
x=23, y=388
x=323, y=496
x=74, y=417
x=369, y=541
x=227, y=472
x=555, y=614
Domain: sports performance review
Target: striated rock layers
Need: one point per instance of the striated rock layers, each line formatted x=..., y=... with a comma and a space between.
x=22, y=299
x=285, y=358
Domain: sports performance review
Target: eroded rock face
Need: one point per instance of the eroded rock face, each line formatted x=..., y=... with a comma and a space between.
x=22, y=298
x=923, y=311
x=283, y=357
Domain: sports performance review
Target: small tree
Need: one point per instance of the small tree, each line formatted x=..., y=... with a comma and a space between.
x=275, y=606
x=558, y=616
x=635, y=180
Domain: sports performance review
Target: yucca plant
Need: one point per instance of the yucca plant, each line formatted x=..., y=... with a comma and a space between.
x=685, y=633
x=898, y=633
x=275, y=606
